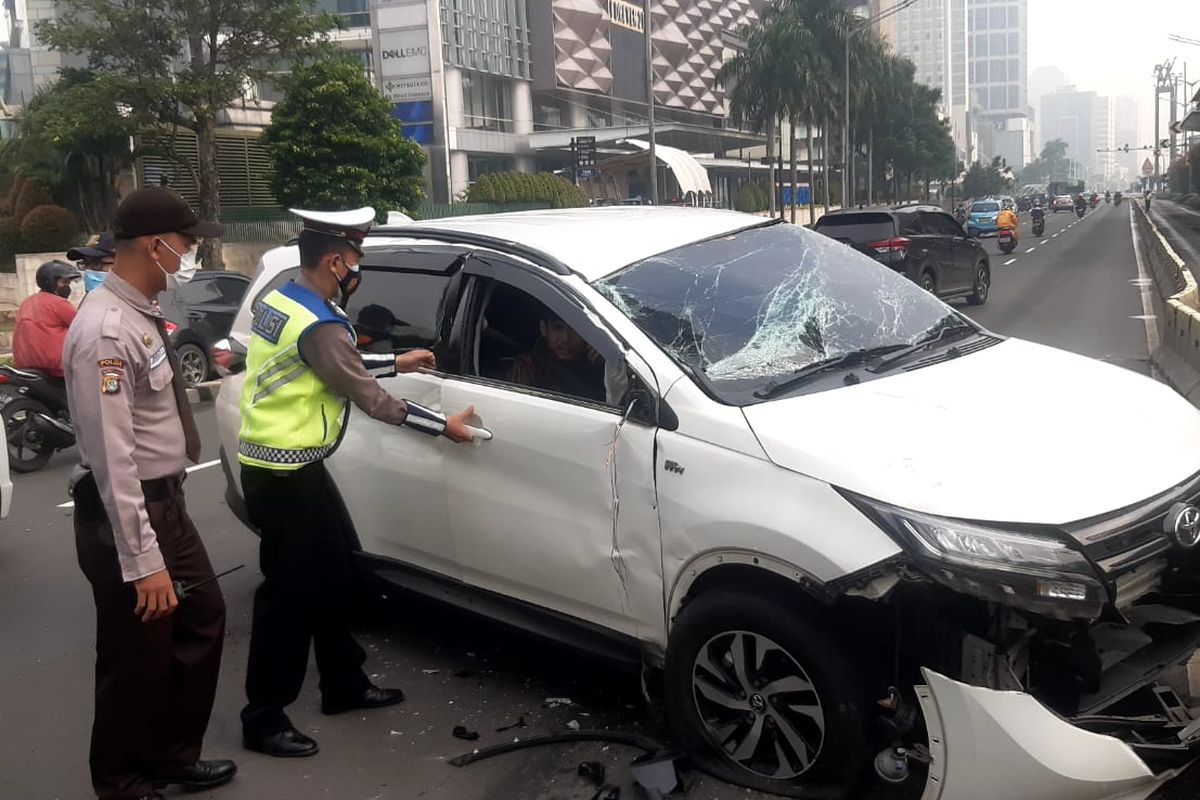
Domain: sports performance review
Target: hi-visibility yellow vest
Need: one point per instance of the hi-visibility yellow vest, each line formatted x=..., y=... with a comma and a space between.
x=290, y=418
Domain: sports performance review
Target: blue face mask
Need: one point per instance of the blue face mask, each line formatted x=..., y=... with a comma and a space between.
x=92, y=278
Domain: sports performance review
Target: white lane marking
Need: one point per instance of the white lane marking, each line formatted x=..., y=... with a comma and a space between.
x=1144, y=280
x=1030, y=250
x=1011, y=260
x=1055, y=236
x=198, y=467
x=1143, y=316
x=1043, y=241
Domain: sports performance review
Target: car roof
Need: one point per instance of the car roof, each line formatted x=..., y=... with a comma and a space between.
x=906, y=209
x=593, y=242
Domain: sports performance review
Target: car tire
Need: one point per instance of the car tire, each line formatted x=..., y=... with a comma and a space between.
x=981, y=284
x=721, y=708
x=927, y=281
x=193, y=363
x=15, y=415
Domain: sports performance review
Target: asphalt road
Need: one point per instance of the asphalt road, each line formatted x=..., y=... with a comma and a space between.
x=1076, y=289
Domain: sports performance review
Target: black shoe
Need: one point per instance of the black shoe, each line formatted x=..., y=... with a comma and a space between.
x=201, y=775
x=287, y=743
x=373, y=697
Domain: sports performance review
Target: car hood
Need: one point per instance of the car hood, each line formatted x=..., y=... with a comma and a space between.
x=1017, y=432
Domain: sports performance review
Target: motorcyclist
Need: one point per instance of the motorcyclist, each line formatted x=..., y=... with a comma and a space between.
x=1107, y=196
x=1146, y=197
x=1080, y=202
x=1038, y=215
x=41, y=326
x=1007, y=220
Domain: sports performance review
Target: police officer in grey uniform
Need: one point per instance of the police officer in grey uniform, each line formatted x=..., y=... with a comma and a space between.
x=157, y=657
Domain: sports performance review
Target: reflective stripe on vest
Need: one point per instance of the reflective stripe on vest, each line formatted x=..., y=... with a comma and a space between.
x=289, y=416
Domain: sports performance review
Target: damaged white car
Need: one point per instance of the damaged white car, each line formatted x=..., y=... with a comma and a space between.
x=843, y=526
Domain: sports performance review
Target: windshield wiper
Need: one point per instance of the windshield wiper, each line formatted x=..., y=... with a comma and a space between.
x=946, y=334
x=802, y=375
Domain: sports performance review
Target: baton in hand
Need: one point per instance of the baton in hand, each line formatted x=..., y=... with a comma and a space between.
x=182, y=591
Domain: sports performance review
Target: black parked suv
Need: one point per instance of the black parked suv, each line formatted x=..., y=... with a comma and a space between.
x=199, y=314
x=923, y=242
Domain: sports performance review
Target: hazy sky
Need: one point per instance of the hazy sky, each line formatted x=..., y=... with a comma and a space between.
x=1111, y=47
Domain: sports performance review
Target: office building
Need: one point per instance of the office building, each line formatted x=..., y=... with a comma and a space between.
x=997, y=68
x=1125, y=132
x=933, y=35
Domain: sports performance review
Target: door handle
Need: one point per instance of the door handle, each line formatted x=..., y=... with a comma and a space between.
x=480, y=434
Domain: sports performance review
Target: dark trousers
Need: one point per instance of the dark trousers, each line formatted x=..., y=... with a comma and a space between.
x=307, y=594
x=155, y=681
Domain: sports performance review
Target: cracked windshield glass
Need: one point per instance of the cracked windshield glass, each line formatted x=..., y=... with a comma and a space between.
x=766, y=302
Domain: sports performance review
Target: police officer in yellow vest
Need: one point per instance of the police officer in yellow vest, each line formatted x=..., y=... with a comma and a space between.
x=303, y=370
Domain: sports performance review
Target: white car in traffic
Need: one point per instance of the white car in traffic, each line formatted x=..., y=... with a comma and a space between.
x=835, y=516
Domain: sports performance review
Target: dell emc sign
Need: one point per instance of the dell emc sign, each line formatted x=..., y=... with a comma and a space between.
x=405, y=52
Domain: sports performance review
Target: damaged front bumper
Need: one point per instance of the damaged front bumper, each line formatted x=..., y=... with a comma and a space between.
x=986, y=744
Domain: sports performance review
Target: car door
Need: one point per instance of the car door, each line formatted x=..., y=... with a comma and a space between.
x=392, y=479
x=557, y=509
x=959, y=252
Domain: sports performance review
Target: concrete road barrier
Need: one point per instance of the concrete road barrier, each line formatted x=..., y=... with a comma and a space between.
x=1177, y=308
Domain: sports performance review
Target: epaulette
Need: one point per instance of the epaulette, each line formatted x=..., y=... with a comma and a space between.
x=110, y=328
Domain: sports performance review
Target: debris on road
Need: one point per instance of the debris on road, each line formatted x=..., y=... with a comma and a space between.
x=655, y=773
x=462, y=732
x=573, y=724
x=520, y=723
x=593, y=771
x=644, y=743
x=431, y=671
x=555, y=702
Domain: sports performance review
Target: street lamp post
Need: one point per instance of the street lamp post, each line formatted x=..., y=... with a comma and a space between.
x=649, y=26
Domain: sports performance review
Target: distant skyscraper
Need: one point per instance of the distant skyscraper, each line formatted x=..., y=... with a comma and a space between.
x=998, y=63
x=1125, y=132
x=1044, y=81
x=933, y=35
x=1082, y=120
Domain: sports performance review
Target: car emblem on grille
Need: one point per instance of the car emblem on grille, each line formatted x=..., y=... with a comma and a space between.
x=1183, y=524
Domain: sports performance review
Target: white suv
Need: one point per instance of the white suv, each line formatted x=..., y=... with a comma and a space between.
x=837, y=518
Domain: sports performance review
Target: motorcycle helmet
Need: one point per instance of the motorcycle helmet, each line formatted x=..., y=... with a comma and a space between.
x=47, y=274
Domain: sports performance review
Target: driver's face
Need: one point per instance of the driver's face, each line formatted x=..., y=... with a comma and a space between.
x=564, y=343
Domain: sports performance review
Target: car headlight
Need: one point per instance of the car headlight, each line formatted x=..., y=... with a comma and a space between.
x=1023, y=570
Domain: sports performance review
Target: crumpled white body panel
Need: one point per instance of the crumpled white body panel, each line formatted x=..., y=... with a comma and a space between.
x=995, y=745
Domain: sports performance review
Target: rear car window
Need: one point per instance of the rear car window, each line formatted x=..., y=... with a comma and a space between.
x=857, y=228
x=984, y=208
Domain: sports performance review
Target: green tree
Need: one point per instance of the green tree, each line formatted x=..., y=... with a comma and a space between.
x=1051, y=165
x=72, y=137
x=180, y=64
x=333, y=143
x=983, y=180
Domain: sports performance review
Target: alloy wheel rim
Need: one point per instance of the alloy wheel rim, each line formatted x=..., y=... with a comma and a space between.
x=981, y=283
x=19, y=440
x=758, y=705
x=193, y=370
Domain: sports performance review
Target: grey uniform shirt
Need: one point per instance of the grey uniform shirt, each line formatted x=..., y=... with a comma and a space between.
x=126, y=418
x=349, y=373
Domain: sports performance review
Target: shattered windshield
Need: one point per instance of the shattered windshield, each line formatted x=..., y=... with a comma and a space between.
x=764, y=303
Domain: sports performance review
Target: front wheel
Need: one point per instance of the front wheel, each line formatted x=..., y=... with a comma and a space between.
x=27, y=450
x=981, y=285
x=763, y=698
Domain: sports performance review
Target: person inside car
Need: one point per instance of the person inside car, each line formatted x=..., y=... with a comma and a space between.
x=561, y=361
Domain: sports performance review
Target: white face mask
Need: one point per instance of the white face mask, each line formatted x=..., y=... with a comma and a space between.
x=187, y=267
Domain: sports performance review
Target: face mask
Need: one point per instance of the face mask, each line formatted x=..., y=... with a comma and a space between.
x=92, y=278
x=350, y=282
x=187, y=267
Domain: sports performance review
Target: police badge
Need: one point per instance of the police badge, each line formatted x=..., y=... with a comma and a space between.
x=110, y=381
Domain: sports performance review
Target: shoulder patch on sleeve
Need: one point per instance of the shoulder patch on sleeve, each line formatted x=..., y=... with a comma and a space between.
x=268, y=322
x=110, y=327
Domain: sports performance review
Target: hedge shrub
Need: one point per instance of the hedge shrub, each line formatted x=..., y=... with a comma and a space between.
x=10, y=243
x=525, y=187
x=32, y=195
x=48, y=228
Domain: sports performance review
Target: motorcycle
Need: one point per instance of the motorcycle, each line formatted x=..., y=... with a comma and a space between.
x=1117, y=199
x=1039, y=226
x=1107, y=198
x=36, y=420
x=1007, y=240
x=1080, y=211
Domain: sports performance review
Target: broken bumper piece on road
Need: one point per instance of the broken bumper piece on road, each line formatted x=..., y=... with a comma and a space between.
x=986, y=743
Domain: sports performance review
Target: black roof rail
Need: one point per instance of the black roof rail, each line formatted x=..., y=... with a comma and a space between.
x=530, y=254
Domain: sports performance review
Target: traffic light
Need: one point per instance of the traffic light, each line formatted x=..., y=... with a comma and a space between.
x=1127, y=147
